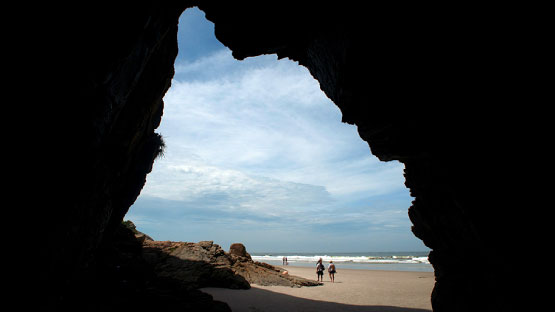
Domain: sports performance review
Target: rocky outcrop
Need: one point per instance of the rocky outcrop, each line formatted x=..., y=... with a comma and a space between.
x=205, y=264
x=193, y=265
x=261, y=273
x=121, y=279
x=267, y=275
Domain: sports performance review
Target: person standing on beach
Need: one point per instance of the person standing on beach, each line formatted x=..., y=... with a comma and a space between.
x=283, y=259
x=320, y=270
x=331, y=271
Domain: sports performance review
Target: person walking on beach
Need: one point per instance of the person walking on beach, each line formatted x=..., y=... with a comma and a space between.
x=283, y=259
x=320, y=270
x=331, y=271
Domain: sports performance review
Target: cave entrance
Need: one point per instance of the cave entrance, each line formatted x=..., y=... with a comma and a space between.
x=256, y=153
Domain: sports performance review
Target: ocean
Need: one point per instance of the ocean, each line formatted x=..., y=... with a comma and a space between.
x=390, y=261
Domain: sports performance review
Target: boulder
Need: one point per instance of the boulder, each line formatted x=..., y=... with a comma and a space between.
x=239, y=250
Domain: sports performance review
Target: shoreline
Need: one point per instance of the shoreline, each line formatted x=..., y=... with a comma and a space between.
x=396, y=267
x=354, y=290
x=284, y=267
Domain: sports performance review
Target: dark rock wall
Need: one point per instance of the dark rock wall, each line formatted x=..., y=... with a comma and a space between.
x=418, y=83
x=424, y=85
x=110, y=65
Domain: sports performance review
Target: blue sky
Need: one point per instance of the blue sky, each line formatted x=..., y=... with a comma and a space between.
x=257, y=154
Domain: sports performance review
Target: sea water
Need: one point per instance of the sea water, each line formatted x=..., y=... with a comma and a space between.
x=390, y=261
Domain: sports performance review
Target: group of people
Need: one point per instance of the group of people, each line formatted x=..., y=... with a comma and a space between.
x=320, y=268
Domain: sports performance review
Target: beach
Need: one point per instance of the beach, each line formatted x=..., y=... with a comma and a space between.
x=353, y=290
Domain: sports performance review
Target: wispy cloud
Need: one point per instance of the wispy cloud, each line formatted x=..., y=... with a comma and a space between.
x=269, y=117
x=231, y=190
x=257, y=143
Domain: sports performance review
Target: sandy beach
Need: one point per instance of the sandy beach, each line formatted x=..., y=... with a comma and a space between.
x=353, y=290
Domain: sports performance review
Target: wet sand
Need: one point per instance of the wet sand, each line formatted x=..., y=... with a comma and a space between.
x=353, y=290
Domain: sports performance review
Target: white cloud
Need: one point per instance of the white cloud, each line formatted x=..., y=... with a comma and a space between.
x=232, y=190
x=269, y=118
x=257, y=143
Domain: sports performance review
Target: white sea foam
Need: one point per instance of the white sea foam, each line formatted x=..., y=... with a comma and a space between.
x=345, y=259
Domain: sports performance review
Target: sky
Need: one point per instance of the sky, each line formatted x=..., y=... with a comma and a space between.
x=257, y=154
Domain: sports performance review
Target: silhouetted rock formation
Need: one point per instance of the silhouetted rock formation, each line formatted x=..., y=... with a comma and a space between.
x=122, y=279
x=430, y=86
x=195, y=265
x=205, y=264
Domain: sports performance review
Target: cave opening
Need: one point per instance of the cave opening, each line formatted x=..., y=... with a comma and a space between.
x=256, y=153
x=458, y=156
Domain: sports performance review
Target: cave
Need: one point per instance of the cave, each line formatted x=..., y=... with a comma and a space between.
x=426, y=86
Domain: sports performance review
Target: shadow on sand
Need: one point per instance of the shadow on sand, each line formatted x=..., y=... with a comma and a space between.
x=261, y=300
